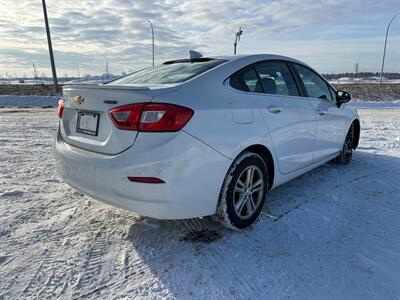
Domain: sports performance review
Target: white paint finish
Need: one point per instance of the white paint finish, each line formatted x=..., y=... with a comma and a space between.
x=212, y=122
x=332, y=126
x=195, y=161
x=242, y=113
x=109, y=140
x=176, y=158
x=291, y=122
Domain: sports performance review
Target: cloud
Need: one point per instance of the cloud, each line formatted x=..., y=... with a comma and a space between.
x=91, y=31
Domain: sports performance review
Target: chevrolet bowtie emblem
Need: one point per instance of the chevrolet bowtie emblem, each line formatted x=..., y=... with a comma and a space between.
x=78, y=100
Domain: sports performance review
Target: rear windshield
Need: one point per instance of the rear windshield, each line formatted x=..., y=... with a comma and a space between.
x=168, y=73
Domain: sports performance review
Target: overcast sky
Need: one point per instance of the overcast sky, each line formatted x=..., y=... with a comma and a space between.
x=330, y=35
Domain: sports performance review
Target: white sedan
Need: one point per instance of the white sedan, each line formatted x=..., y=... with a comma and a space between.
x=202, y=136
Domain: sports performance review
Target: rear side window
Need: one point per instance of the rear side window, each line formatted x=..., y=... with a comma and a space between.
x=275, y=78
x=251, y=81
x=246, y=80
x=315, y=86
x=168, y=73
x=270, y=77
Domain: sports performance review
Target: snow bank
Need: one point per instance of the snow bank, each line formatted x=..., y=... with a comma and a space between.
x=375, y=104
x=28, y=101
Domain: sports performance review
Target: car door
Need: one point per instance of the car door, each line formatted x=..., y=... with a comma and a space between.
x=289, y=118
x=331, y=121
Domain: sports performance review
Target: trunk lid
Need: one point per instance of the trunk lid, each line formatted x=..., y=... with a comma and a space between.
x=86, y=123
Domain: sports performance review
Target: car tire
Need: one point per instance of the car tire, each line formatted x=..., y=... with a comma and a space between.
x=243, y=192
x=346, y=154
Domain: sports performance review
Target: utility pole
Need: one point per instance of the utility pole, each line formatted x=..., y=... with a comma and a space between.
x=152, y=37
x=384, y=47
x=53, y=66
x=237, y=38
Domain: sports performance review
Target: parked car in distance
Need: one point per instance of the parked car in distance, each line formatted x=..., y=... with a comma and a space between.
x=202, y=136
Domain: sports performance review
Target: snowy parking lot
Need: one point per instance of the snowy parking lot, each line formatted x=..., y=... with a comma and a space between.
x=333, y=233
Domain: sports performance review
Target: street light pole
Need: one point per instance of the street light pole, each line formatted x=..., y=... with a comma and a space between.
x=237, y=38
x=152, y=36
x=384, y=47
x=53, y=66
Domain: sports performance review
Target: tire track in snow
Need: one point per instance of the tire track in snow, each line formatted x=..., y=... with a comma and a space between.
x=47, y=281
x=241, y=284
x=150, y=250
x=132, y=276
x=137, y=268
x=51, y=280
x=93, y=263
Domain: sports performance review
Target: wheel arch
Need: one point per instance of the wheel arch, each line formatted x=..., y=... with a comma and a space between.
x=267, y=157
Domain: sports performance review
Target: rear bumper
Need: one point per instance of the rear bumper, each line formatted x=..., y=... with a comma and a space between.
x=193, y=174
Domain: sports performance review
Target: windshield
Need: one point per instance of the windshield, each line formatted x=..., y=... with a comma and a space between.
x=168, y=73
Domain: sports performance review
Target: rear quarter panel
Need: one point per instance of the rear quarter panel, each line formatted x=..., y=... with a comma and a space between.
x=224, y=119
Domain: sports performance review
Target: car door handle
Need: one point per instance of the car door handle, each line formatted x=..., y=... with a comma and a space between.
x=274, y=109
x=321, y=112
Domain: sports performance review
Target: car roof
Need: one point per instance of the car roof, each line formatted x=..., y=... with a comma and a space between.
x=256, y=57
x=241, y=61
x=248, y=57
x=234, y=63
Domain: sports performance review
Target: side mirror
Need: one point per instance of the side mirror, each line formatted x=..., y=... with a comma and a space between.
x=342, y=97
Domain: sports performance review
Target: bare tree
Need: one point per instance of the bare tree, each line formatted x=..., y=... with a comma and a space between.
x=107, y=74
x=35, y=74
x=79, y=74
x=356, y=69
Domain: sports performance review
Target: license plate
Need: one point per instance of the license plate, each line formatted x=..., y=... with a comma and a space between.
x=88, y=123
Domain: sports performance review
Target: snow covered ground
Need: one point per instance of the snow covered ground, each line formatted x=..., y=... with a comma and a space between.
x=333, y=233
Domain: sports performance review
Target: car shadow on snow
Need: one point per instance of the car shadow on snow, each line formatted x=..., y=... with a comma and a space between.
x=326, y=180
x=188, y=255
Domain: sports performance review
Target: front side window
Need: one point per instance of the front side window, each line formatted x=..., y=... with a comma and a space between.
x=333, y=92
x=270, y=77
x=315, y=86
x=168, y=73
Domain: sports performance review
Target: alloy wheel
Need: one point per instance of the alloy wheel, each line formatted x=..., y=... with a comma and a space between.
x=248, y=192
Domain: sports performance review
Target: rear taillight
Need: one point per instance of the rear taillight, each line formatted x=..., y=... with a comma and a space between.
x=164, y=117
x=60, y=108
x=127, y=117
x=151, y=117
